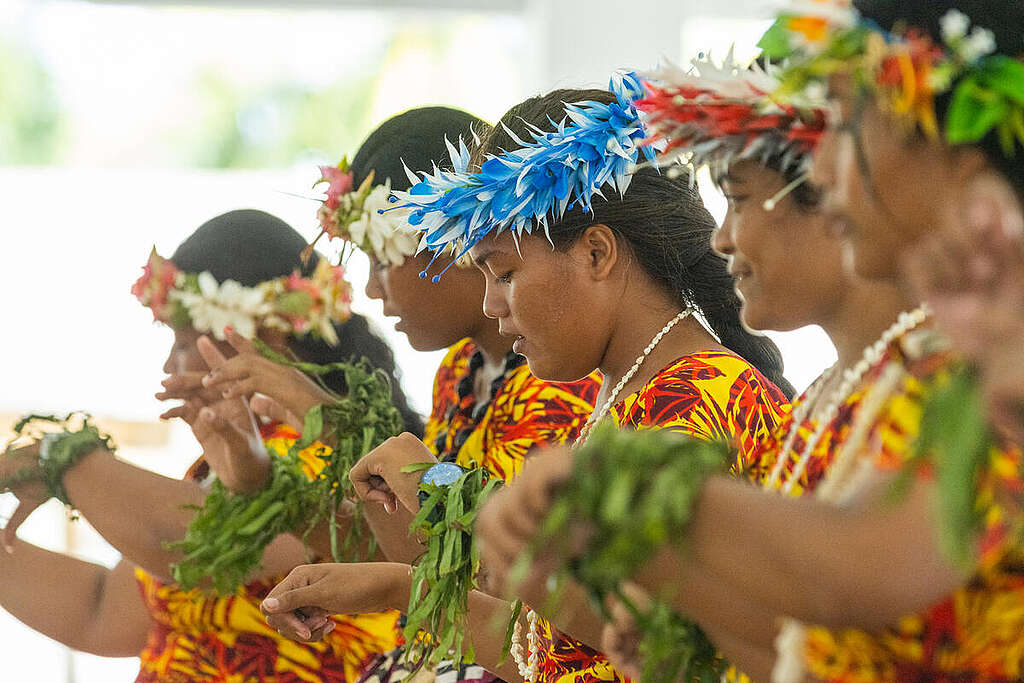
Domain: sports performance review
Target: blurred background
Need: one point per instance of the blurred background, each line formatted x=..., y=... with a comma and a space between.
x=128, y=124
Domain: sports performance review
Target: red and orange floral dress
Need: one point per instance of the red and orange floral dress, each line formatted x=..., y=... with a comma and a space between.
x=975, y=634
x=197, y=636
x=709, y=395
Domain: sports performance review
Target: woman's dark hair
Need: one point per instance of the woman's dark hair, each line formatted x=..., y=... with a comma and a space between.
x=667, y=227
x=250, y=247
x=415, y=138
x=1005, y=18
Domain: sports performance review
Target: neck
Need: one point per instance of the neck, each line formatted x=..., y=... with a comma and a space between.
x=492, y=345
x=867, y=311
x=632, y=333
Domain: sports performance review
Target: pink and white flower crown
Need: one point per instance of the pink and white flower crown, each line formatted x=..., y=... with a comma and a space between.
x=293, y=304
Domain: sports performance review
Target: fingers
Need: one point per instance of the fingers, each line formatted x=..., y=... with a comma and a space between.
x=210, y=353
x=210, y=423
x=27, y=504
x=238, y=342
x=268, y=408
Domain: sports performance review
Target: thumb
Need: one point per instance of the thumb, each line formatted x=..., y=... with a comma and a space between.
x=292, y=599
x=235, y=440
x=10, y=532
x=210, y=353
x=266, y=407
x=238, y=342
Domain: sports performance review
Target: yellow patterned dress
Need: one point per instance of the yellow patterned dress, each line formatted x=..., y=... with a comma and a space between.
x=709, y=395
x=977, y=633
x=201, y=637
x=523, y=413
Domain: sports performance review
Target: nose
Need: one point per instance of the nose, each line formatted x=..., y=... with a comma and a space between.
x=374, y=286
x=722, y=239
x=495, y=304
x=173, y=363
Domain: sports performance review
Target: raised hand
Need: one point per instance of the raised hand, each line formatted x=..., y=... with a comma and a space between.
x=300, y=606
x=972, y=276
x=249, y=373
x=20, y=468
x=378, y=476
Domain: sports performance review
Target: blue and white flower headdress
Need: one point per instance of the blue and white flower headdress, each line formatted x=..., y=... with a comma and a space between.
x=595, y=144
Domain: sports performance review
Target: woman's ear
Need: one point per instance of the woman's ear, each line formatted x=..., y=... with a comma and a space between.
x=598, y=249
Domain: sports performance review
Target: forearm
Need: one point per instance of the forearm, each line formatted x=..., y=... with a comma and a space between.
x=83, y=605
x=488, y=616
x=135, y=510
x=392, y=533
x=815, y=562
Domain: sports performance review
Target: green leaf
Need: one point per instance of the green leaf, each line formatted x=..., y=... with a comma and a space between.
x=973, y=112
x=775, y=41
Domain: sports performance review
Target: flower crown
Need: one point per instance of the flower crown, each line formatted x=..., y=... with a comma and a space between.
x=594, y=145
x=907, y=70
x=717, y=115
x=292, y=304
x=355, y=216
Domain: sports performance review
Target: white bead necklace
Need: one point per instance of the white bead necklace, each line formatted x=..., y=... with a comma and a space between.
x=598, y=415
x=529, y=666
x=843, y=478
x=852, y=376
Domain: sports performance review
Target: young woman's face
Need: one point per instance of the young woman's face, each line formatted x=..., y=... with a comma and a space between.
x=546, y=302
x=432, y=316
x=787, y=269
x=883, y=191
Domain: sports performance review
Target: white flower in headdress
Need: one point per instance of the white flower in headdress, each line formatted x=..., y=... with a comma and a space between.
x=228, y=304
x=954, y=24
x=387, y=235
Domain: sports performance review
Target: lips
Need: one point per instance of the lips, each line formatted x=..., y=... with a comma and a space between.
x=519, y=344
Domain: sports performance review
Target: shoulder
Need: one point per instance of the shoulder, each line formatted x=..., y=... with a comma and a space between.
x=524, y=389
x=709, y=394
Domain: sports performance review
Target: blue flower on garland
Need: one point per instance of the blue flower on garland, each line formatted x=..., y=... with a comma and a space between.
x=595, y=144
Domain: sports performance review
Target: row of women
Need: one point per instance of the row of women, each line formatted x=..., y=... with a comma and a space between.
x=873, y=161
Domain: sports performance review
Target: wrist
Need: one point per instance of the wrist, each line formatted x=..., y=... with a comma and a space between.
x=399, y=586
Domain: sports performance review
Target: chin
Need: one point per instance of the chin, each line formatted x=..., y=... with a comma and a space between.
x=425, y=342
x=555, y=372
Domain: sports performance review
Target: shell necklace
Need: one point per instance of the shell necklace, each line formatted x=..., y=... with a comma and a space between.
x=843, y=479
x=852, y=376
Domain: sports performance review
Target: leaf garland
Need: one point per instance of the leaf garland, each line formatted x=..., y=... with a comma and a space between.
x=226, y=539
x=59, y=450
x=636, y=490
x=444, y=576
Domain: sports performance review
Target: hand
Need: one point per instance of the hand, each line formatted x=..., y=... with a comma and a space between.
x=300, y=606
x=188, y=388
x=30, y=494
x=620, y=639
x=378, y=476
x=973, y=277
x=511, y=519
x=250, y=373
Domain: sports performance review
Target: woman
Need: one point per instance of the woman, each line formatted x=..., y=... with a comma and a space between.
x=893, y=605
x=488, y=410
x=190, y=636
x=621, y=272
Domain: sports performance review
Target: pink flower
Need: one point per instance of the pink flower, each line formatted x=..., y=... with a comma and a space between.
x=339, y=183
x=158, y=278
